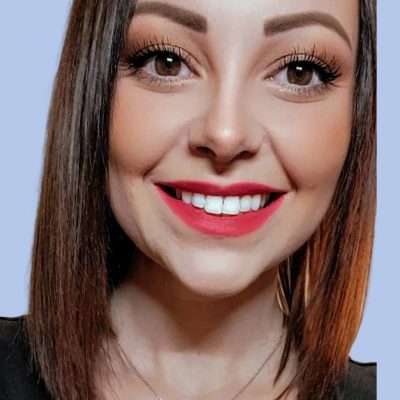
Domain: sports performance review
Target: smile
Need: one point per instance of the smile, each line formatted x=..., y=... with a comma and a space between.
x=233, y=210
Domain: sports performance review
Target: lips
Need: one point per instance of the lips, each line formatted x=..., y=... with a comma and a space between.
x=241, y=223
x=236, y=189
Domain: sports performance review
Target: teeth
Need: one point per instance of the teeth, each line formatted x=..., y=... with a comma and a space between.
x=245, y=203
x=198, y=200
x=187, y=197
x=255, y=202
x=214, y=204
x=229, y=205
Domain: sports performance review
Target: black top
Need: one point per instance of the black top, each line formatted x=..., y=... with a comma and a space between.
x=18, y=382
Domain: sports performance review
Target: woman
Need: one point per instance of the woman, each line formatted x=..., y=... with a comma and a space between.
x=207, y=207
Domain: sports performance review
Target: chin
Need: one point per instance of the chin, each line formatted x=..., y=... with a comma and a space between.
x=215, y=291
x=214, y=282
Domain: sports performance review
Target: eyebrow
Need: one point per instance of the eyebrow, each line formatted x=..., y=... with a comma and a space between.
x=287, y=22
x=179, y=15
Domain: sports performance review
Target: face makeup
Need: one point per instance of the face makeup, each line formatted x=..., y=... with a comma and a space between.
x=209, y=120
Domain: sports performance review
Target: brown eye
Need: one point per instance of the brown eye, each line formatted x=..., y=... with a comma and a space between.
x=158, y=65
x=303, y=74
x=167, y=64
x=300, y=73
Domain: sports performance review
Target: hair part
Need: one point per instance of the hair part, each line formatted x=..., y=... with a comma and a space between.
x=79, y=253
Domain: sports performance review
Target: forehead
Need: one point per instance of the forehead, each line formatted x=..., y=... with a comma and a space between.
x=249, y=17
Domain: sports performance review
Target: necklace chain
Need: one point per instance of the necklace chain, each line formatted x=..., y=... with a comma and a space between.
x=242, y=389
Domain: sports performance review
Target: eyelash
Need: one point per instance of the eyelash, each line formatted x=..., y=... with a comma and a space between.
x=326, y=67
x=141, y=53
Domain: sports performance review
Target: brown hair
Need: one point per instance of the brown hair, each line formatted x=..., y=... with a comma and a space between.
x=79, y=253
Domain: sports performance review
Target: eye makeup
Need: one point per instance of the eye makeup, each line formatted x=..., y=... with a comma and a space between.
x=305, y=72
x=298, y=73
x=166, y=61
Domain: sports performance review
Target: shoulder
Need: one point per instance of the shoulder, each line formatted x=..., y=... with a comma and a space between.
x=17, y=379
x=11, y=339
x=359, y=382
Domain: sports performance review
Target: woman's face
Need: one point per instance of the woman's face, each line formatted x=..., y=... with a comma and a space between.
x=228, y=103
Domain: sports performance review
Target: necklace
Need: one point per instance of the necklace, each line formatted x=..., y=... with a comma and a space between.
x=242, y=389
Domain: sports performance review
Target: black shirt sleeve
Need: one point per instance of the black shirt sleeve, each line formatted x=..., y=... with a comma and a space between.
x=359, y=382
x=17, y=380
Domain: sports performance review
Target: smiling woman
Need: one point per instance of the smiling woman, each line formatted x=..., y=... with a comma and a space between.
x=207, y=207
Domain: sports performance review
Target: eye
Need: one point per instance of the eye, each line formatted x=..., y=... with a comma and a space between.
x=307, y=73
x=166, y=64
x=159, y=64
x=301, y=73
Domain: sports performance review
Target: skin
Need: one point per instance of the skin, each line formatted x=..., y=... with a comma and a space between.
x=198, y=312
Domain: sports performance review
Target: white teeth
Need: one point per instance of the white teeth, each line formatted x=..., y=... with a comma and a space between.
x=255, y=202
x=187, y=197
x=245, y=203
x=213, y=205
x=198, y=200
x=229, y=205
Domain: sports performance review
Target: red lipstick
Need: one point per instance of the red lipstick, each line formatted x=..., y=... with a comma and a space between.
x=220, y=225
x=236, y=189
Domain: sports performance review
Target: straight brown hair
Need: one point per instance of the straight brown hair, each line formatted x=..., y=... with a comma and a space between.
x=80, y=253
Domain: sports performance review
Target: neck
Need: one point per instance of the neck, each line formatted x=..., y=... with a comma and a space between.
x=151, y=301
x=165, y=327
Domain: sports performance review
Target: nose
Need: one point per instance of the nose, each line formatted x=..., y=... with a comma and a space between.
x=227, y=132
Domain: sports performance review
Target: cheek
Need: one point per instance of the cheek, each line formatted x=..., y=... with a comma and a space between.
x=143, y=128
x=311, y=141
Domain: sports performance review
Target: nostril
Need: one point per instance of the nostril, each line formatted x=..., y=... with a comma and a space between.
x=245, y=154
x=205, y=150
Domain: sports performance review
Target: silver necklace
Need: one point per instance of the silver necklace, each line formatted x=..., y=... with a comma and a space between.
x=242, y=389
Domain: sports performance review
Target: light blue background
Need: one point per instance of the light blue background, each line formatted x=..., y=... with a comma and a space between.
x=31, y=33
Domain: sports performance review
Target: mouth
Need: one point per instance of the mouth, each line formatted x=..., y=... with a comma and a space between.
x=233, y=204
x=229, y=211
